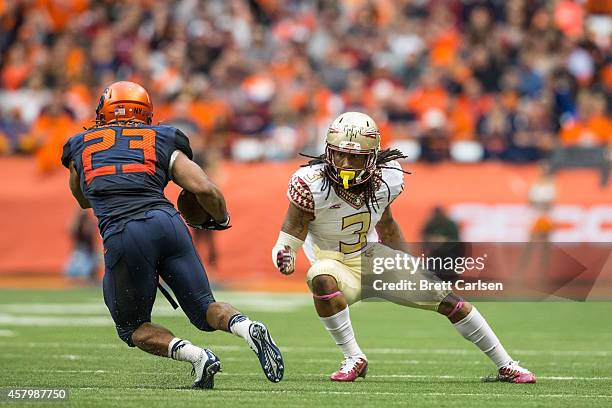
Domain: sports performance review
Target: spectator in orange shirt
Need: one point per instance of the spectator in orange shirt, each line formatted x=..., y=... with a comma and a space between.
x=461, y=121
x=431, y=95
x=49, y=133
x=16, y=68
x=593, y=126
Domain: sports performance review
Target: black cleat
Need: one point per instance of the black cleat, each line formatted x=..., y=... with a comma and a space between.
x=267, y=351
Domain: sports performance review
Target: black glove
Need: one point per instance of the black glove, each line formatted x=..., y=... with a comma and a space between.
x=212, y=225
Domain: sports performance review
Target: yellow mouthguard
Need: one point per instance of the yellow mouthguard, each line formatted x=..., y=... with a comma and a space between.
x=346, y=176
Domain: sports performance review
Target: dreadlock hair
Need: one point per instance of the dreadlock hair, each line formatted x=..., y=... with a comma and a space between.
x=368, y=189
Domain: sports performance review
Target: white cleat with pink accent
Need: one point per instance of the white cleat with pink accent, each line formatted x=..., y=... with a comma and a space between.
x=513, y=373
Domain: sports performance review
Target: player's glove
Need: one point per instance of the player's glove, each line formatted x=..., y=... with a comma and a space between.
x=284, y=252
x=285, y=260
x=213, y=225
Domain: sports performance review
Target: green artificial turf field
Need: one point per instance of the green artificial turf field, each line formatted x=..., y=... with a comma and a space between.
x=65, y=339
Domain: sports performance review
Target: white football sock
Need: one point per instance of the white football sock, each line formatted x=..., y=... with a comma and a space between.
x=475, y=328
x=340, y=328
x=183, y=350
x=239, y=325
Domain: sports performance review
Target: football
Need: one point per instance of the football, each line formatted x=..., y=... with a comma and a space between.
x=190, y=208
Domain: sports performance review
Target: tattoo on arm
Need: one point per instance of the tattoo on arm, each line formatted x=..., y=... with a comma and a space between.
x=296, y=222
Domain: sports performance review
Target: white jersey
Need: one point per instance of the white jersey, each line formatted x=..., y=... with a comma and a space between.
x=342, y=222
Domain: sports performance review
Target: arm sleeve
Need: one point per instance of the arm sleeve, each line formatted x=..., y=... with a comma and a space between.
x=66, y=155
x=300, y=195
x=181, y=142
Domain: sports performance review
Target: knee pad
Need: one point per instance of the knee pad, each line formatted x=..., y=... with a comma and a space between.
x=324, y=267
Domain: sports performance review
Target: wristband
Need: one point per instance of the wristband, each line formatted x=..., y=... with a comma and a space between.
x=285, y=239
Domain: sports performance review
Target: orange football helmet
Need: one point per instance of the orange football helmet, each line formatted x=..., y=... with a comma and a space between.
x=124, y=101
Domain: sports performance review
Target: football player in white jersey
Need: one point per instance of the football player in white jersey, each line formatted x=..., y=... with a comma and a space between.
x=340, y=213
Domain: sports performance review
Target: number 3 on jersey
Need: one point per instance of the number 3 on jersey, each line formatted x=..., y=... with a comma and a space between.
x=108, y=137
x=363, y=218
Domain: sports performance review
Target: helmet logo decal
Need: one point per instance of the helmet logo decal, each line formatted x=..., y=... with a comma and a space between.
x=352, y=131
x=350, y=145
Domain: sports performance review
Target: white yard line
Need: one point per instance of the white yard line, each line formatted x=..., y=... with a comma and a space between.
x=436, y=377
x=253, y=301
x=112, y=344
x=46, y=321
x=327, y=350
x=453, y=363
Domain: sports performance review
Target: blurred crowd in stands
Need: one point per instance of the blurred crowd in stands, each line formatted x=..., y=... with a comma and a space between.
x=464, y=80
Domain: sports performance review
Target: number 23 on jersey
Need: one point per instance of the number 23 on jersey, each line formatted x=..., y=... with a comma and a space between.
x=108, y=138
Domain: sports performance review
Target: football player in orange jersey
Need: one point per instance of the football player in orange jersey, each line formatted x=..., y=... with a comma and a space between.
x=119, y=167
